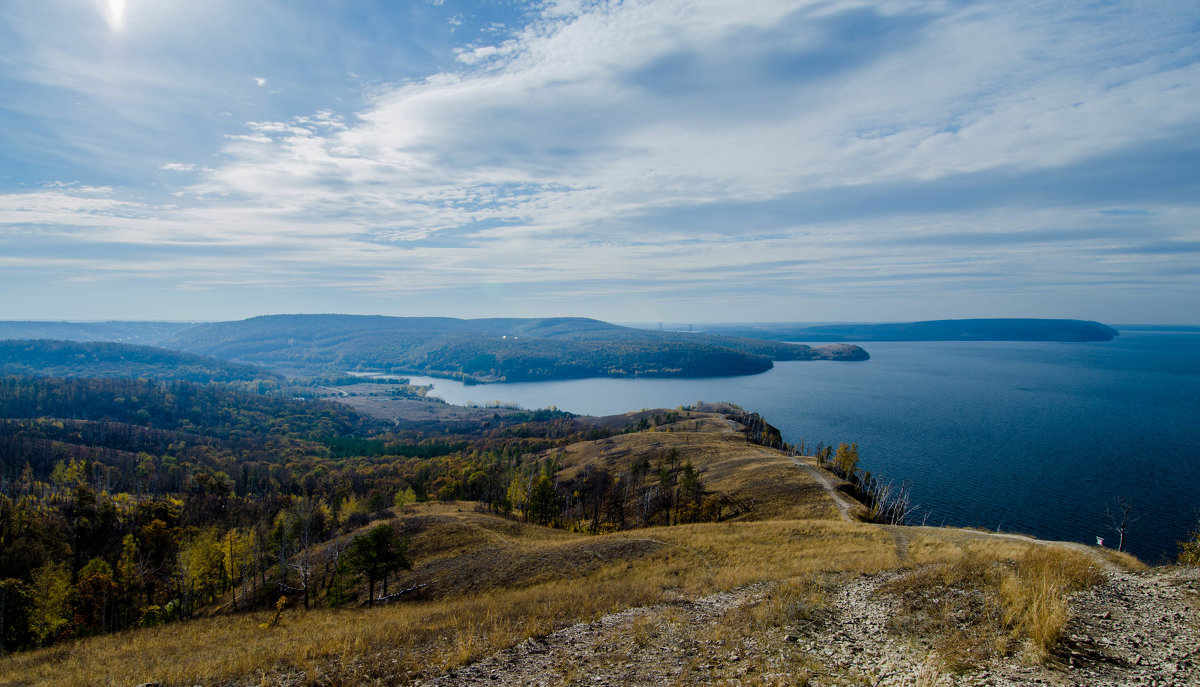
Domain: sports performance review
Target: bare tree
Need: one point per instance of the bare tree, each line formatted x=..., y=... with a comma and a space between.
x=890, y=504
x=1120, y=516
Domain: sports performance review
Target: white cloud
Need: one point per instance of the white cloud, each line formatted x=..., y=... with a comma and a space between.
x=260, y=81
x=611, y=144
x=560, y=106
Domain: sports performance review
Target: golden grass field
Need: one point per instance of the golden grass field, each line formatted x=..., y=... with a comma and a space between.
x=492, y=582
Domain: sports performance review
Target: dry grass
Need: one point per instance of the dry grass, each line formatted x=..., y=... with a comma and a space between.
x=333, y=646
x=1120, y=559
x=985, y=597
x=954, y=608
x=1035, y=595
x=393, y=644
x=748, y=645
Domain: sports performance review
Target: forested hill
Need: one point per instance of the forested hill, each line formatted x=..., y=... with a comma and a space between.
x=497, y=349
x=1002, y=329
x=116, y=330
x=103, y=359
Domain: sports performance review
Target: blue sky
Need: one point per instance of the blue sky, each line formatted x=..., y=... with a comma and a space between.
x=695, y=161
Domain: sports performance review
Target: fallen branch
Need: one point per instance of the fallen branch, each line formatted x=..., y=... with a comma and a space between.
x=392, y=597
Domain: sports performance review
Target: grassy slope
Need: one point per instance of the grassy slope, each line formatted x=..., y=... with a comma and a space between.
x=493, y=582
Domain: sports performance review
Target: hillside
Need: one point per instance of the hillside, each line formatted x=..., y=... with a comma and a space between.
x=786, y=585
x=487, y=350
x=116, y=330
x=1015, y=329
x=53, y=358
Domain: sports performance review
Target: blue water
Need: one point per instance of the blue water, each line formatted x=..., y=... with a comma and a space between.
x=1023, y=437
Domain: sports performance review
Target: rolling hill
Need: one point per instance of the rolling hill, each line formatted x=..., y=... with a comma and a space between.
x=487, y=350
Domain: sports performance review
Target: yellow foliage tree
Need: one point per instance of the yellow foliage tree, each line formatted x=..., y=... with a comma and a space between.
x=204, y=564
x=845, y=461
x=1189, y=551
x=51, y=592
x=237, y=548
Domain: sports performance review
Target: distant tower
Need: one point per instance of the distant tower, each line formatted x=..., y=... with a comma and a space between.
x=660, y=326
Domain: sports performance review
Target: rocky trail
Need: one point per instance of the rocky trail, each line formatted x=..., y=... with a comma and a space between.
x=1135, y=629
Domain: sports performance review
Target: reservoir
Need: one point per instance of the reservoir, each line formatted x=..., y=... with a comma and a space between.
x=1029, y=437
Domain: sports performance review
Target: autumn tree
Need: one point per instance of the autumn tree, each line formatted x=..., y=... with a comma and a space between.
x=94, y=598
x=1189, y=550
x=845, y=461
x=237, y=547
x=51, y=593
x=201, y=569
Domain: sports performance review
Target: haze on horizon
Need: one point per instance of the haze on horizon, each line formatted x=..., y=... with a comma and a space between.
x=699, y=161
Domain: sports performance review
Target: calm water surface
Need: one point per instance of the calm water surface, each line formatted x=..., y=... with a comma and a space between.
x=1024, y=437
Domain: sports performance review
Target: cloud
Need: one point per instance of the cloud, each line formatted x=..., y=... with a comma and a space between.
x=260, y=81
x=635, y=146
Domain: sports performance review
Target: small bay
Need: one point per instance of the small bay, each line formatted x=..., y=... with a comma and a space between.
x=1030, y=437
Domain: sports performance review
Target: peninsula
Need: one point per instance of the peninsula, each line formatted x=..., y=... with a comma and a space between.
x=995, y=329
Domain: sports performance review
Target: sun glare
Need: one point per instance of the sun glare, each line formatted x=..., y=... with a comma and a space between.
x=116, y=14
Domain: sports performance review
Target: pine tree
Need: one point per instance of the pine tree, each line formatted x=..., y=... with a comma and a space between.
x=377, y=554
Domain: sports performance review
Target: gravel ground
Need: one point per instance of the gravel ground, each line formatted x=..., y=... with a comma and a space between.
x=1136, y=629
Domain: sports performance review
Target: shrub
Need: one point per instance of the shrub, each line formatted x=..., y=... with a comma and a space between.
x=1189, y=551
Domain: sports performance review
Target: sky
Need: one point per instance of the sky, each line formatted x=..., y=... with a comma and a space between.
x=702, y=161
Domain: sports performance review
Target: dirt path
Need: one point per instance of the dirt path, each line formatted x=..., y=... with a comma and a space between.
x=964, y=535
x=900, y=535
x=844, y=503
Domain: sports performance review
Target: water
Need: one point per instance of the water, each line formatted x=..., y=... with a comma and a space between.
x=1024, y=437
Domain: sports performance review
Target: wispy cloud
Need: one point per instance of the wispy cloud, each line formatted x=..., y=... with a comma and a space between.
x=804, y=152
